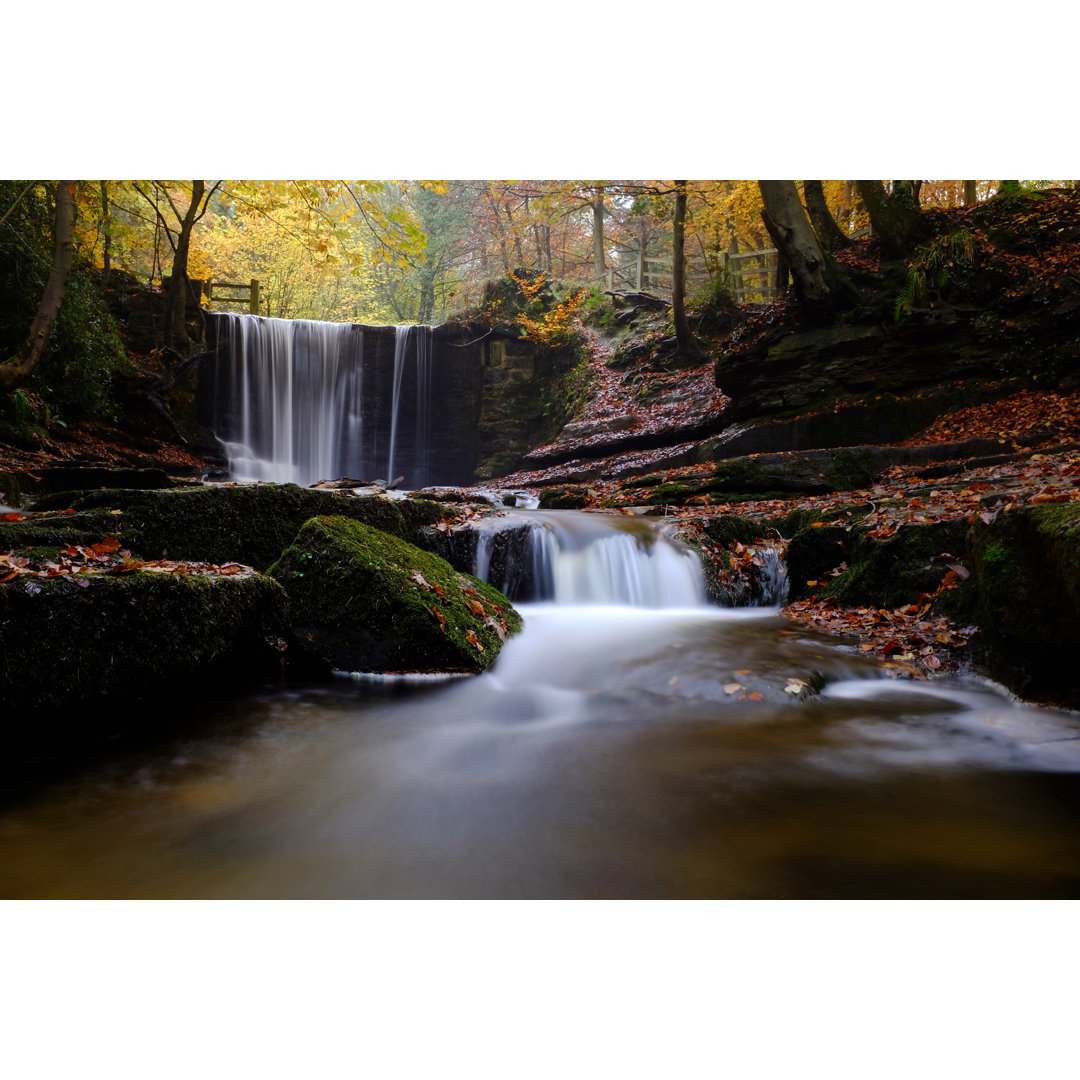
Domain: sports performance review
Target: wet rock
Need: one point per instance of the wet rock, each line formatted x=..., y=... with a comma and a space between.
x=362, y=600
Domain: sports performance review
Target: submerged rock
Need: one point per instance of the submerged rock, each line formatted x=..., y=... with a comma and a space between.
x=362, y=600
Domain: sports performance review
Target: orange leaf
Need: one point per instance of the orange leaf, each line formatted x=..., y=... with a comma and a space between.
x=473, y=640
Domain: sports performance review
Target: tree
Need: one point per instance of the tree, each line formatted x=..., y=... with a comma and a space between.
x=789, y=226
x=179, y=237
x=894, y=215
x=828, y=232
x=688, y=347
x=15, y=371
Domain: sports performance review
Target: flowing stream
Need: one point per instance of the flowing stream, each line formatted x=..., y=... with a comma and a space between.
x=631, y=742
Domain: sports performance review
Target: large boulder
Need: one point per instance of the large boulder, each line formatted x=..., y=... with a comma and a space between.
x=363, y=600
x=1026, y=569
x=81, y=647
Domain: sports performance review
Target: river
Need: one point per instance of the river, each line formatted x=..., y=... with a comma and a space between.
x=663, y=749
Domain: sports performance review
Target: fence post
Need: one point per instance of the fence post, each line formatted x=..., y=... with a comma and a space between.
x=253, y=302
x=639, y=277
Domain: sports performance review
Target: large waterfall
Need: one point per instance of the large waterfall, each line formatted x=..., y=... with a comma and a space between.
x=301, y=401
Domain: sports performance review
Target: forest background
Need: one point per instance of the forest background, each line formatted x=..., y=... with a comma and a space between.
x=800, y=989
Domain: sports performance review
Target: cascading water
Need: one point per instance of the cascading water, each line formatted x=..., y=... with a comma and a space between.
x=301, y=401
x=575, y=558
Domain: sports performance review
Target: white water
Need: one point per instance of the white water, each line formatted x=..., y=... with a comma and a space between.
x=582, y=558
x=290, y=402
x=420, y=338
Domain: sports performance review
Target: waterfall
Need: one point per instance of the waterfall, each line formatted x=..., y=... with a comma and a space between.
x=420, y=336
x=300, y=401
x=575, y=558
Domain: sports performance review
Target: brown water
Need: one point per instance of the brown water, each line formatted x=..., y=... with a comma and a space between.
x=601, y=758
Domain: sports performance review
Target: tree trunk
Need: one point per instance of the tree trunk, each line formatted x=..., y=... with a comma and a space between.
x=895, y=218
x=795, y=239
x=688, y=347
x=599, y=259
x=828, y=232
x=16, y=371
x=176, y=300
x=427, y=298
x=106, y=244
x=971, y=195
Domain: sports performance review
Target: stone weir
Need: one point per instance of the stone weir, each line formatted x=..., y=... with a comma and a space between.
x=302, y=401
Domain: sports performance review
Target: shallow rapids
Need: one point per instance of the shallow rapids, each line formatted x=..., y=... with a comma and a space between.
x=612, y=752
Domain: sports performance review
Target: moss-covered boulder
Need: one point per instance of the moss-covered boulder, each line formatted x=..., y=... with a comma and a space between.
x=250, y=524
x=1026, y=569
x=45, y=534
x=79, y=647
x=885, y=572
x=363, y=600
x=564, y=498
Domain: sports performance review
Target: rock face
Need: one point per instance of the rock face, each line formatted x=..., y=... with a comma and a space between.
x=71, y=647
x=362, y=600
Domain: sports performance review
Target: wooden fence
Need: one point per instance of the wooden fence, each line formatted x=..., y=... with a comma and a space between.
x=750, y=275
x=241, y=293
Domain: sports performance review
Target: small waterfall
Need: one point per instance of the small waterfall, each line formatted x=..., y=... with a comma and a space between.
x=773, y=578
x=298, y=401
x=575, y=558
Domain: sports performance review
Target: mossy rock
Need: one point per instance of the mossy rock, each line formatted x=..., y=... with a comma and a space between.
x=564, y=498
x=729, y=528
x=10, y=495
x=1027, y=571
x=56, y=530
x=72, y=647
x=812, y=553
x=249, y=524
x=772, y=472
x=893, y=571
x=363, y=600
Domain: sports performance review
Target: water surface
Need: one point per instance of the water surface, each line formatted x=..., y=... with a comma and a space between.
x=612, y=752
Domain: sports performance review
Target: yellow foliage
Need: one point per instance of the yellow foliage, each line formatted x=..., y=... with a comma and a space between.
x=555, y=326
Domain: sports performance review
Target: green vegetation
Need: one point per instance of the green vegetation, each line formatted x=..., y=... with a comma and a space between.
x=362, y=600
x=122, y=639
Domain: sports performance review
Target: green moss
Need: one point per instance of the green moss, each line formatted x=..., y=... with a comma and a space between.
x=1027, y=571
x=56, y=530
x=75, y=645
x=812, y=554
x=849, y=470
x=894, y=571
x=20, y=424
x=362, y=600
x=564, y=498
x=729, y=528
x=250, y=524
